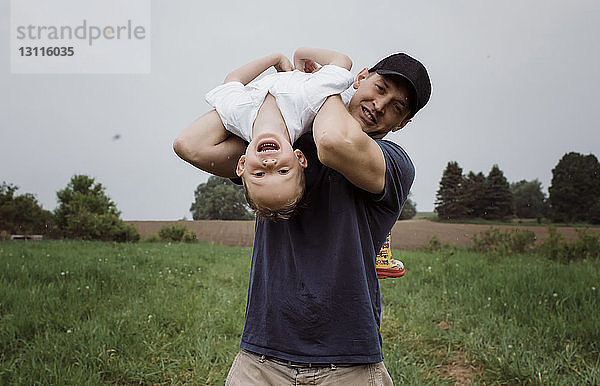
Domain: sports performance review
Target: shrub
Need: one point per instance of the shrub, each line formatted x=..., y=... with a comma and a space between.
x=176, y=232
x=501, y=243
x=189, y=237
x=86, y=212
x=522, y=241
x=586, y=247
x=125, y=232
x=153, y=238
x=554, y=247
x=434, y=245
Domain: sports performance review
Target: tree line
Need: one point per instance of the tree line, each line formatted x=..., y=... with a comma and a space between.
x=574, y=193
x=84, y=212
x=220, y=199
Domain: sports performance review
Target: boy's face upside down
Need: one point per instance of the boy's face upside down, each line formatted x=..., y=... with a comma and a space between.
x=272, y=170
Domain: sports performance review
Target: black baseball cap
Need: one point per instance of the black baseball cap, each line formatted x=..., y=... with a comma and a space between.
x=413, y=71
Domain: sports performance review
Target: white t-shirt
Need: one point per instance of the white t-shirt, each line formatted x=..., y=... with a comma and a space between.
x=299, y=97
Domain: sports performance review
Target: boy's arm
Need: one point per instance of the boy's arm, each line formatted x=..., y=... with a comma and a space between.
x=306, y=57
x=343, y=146
x=207, y=145
x=250, y=71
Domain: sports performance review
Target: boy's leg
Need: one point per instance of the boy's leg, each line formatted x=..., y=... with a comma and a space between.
x=385, y=265
x=207, y=145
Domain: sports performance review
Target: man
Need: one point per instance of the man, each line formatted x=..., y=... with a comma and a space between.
x=313, y=308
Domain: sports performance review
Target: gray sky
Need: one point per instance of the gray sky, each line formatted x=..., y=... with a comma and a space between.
x=514, y=83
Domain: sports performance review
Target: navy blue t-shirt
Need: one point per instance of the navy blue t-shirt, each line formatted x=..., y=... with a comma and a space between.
x=313, y=294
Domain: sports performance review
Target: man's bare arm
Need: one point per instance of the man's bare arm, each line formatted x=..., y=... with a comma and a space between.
x=207, y=145
x=343, y=146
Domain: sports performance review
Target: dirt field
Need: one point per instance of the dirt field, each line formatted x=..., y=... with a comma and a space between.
x=408, y=234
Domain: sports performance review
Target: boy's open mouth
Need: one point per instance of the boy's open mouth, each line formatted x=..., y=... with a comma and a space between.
x=267, y=146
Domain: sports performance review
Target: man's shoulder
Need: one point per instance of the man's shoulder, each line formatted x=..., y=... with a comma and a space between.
x=392, y=148
x=389, y=144
x=397, y=159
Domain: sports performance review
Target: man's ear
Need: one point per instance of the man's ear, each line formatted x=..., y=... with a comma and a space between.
x=360, y=77
x=301, y=158
x=401, y=125
x=241, y=165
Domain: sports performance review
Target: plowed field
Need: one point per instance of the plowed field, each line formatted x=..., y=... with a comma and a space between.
x=407, y=234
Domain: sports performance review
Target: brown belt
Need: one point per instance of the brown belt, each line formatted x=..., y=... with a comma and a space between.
x=296, y=365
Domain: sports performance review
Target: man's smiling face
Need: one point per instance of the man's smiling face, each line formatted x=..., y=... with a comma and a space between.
x=381, y=104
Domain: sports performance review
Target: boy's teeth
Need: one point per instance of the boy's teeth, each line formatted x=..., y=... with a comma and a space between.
x=267, y=146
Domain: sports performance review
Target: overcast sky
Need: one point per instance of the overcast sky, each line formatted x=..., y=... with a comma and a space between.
x=515, y=83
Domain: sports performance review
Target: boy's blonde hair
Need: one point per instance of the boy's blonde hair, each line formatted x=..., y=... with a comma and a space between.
x=283, y=213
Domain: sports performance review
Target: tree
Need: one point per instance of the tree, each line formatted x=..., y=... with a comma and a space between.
x=409, y=210
x=22, y=214
x=497, y=195
x=594, y=215
x=86, y=212
x=220, y=199
x=449, y=197
x=528, y=199
x=474, y=186
x=575, y=188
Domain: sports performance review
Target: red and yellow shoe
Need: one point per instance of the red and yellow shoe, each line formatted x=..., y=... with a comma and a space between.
x=385, y=265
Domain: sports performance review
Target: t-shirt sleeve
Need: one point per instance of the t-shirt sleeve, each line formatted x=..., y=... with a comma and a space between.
x=230, y=100
x=399, y=176
x=329, y=80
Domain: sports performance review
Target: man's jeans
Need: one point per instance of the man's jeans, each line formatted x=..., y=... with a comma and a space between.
x=253, y=369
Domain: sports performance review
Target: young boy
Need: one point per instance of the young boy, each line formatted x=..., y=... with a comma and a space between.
x=271, y=170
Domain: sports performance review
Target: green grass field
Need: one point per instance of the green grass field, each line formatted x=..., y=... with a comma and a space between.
x=82, y=313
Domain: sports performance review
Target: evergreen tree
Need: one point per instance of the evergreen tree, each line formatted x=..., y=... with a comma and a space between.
x=575, y=188
x=449, y=197
x=497, y=195
x=86, y=212
x=474, y=191
x=528, y=199
x=220, y=199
